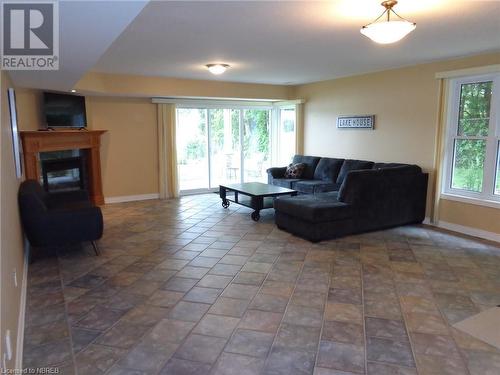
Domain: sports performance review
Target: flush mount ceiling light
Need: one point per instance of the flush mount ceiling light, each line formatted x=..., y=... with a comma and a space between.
x=217, y=68
x=388, y=31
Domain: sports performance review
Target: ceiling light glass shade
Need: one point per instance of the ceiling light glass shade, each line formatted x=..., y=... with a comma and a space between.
x=388, y=32
x=217, y=68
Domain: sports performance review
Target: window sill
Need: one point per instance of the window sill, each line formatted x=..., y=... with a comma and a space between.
x=469, y=200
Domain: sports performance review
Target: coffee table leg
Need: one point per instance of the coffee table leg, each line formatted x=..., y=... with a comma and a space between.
x=255, y=215
x=257, y=203
x=222, y=194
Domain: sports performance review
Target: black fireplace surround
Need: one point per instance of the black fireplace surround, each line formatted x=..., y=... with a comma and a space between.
x=343, y=196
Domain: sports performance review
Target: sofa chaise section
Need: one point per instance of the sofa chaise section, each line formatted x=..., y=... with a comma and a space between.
x=367, y=200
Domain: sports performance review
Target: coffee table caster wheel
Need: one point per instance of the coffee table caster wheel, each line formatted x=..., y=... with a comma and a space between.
x=255, y=216
x=225, y=203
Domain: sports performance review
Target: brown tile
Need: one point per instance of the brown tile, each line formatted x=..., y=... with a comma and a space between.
x=343, y=312
x=97, y=359
x=351, y=296
x=143, y=287
x=349, y=333
x=148, y=357
x=433, y=344
x=214, y=281
x=229, y=364
x=100, y=318
x=173, y=264
x=249, y=278
x=192, y=272
x=390, y=351
x=176, y=366
x=298, y=337
x=257, y=267
x=480, y=362
x=392, y=329
x=204, y=349
x=204, y=262
x=234, y=259
x=450, y=365
x=304, y=316
x=188, y=311
x=374, y=368
x=225, y=269
x=170, y=330
x=229, y=306
x=240, y=291
x=310, y=299
x=251, y=343
x=285, y=361
x=277, y=288
x=81, y=338
x=165, y=298
x=216, y=325
x=145, y=315
x=426, y=323
x=42, y=334
x=179, y=284
x=267, y=302
x=48, y=354
x=122, y=335
x=203, y=295
x=261, y=320
x=341, y=356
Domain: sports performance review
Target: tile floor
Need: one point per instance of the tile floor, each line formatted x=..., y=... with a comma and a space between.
x=186, y=287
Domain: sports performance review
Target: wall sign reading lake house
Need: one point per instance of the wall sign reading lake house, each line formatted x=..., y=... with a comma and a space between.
x=356, y=122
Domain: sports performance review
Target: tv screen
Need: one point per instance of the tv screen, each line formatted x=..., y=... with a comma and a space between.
x=64, y=110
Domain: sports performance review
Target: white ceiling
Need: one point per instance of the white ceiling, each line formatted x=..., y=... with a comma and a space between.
x=87, y=29
x=290, y=42
x=281, y=42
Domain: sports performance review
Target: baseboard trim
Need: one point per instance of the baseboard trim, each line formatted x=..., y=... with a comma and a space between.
x=474, y=232
x=22, y=308
x=131, y=198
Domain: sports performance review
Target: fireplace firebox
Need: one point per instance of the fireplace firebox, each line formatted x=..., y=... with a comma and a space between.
x=63, y=171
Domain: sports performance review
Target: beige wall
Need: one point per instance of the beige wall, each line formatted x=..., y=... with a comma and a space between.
x=129, y=151
x=405, y=102
x=11, y=240
x=143, y=86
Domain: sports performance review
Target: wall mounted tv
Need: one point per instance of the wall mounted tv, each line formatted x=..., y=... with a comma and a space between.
x=64, y=110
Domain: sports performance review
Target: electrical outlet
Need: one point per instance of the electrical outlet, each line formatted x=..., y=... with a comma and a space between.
x=15, y=277
x=8, y=345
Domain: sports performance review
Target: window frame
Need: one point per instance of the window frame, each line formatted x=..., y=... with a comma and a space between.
x=487, y=196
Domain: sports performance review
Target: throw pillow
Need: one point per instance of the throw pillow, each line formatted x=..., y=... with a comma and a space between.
x=295, y=170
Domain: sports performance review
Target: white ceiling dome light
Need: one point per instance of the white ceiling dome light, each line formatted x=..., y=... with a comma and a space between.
x=217, y=69
x=388, y=31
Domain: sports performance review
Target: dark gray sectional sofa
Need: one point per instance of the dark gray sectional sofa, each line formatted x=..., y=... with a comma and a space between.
x=343, y=196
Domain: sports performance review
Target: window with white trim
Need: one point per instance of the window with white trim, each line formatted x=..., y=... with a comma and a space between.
x=472, y=152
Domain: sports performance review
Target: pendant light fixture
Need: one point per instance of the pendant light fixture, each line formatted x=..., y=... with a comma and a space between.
x=217, y=69
x=388, y=30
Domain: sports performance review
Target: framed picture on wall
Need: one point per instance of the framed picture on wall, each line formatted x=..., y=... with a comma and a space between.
x=15, y=132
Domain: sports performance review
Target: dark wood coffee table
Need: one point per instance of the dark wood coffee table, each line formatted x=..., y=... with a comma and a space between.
x=255, y=195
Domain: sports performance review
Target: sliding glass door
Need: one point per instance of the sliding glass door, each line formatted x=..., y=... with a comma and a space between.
x=192, y=148
x=218, y=145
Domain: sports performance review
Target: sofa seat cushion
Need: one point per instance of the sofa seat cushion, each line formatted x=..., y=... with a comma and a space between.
x=316, y=186
x=352, y=165
x=315, y=208
x=286, y=182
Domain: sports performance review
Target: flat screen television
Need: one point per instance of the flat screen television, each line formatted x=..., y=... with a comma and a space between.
x=64, y=110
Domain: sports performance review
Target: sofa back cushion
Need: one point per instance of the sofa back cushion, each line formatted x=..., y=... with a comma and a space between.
x=310, y=161
x=31, y=199
x=352, y=165
x=328, y=169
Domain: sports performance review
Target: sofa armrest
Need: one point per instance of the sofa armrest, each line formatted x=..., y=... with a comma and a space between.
x=55, y=200
x=64, y=226
x=276, y=172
